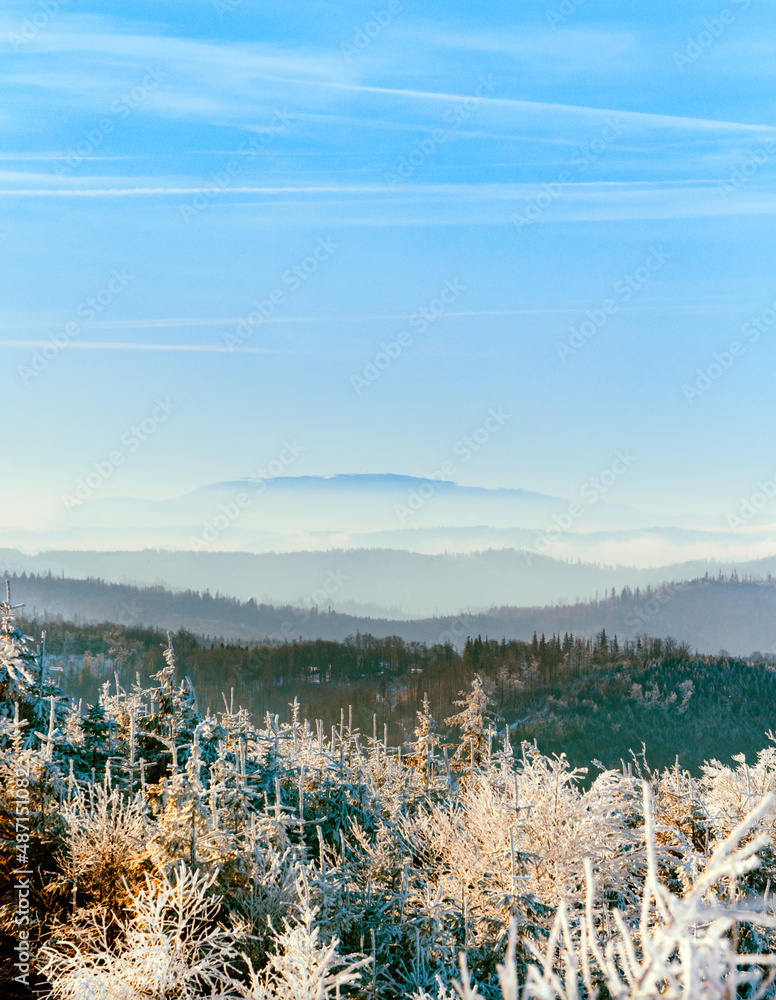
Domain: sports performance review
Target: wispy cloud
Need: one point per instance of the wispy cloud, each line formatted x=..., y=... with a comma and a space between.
x=643, y=117
x=443, y=204
x=114, y=192
x=218, y=322
x=235, y=59
x=95, y=345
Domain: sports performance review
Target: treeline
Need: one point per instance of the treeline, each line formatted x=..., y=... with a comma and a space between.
x=545, y=661
x=713, y=613
x=373, y=681
x=214, y=615
x=88, y=654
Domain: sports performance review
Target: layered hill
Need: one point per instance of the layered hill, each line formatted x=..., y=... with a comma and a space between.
x=710, y=613
x=384, y=583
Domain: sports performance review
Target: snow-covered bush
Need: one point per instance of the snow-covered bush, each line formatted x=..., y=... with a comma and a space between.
x=673, y=946
x=301, y=966
x=179, y=857
x=166, y=947
x=106, y=848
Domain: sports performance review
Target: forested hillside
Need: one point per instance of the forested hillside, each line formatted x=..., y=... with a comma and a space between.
x=150, y=850
x=594, y=699
x=378, y=581
x=710, y=613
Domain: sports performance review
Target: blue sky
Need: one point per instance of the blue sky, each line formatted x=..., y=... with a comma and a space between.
x=608, y=170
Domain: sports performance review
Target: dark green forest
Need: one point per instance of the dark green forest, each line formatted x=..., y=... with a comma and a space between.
x=594, y=699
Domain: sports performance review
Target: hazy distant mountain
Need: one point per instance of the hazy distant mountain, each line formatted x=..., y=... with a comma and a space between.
x=292, y=506
x=710, y=614
x=316, y=513
x=382, y=582
x=379, y=544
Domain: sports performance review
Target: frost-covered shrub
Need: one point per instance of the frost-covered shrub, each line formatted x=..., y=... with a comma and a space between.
x=165, y=948
x=302, y=966
x=673, y=946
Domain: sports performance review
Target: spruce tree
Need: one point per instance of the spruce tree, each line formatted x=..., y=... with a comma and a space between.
x=476, y=722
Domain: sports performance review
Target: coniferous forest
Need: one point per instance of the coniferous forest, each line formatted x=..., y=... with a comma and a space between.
x=157, y=846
